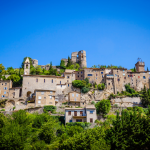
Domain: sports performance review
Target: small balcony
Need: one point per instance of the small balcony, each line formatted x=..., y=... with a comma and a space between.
x=110, y=76
x=79, y=116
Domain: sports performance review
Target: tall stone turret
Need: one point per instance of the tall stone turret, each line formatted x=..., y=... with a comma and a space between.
x=140, y=66
x=82, y=58
x=27, y=67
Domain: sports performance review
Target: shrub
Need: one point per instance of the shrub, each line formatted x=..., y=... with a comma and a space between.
x=79, y=83
x=2, y=109
x=93, y=102
x=50, y=108
x=101, y=86
x=85, y=90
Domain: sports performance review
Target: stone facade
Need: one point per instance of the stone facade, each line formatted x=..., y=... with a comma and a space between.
x=44, y=97
x=87, y=114
x=127, y=101
x=4, y=88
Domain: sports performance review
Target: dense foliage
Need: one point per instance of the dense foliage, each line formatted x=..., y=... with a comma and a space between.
x=50, y=108
x=103, y=107
x=108, y=67
x=24, y=131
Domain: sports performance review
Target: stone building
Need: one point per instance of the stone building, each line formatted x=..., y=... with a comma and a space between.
x=87, y=114
x=60, y=84
x=116, y=79
x=44, y=97
x=4, y=88
x=74, y=99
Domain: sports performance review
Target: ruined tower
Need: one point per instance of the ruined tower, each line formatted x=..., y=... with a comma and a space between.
x=27, y=67
x=35, y=62
x=82, y=58
x=79, y=57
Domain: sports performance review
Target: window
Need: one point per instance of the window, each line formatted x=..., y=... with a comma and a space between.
x=69, y=113
x=4, y=92
x=61, y=85
x=91, y=112
x=52, y=80
x=44, y=97
x=68, y=77
x=78, y=120
x=42, y=93
x=76, y=95
x=144, y=77
x=96, y=74
x=36, y=80
x=5, y=83
x=44, y=80
x=70, y=120
x=75, y=99
x=123, y=74
x=83, y=103
x=39, y=97
x=90, y=75
x=96, y=78
x=124, y=77
x=39, y=102
x=67, y=80
x=50, y=97
x=101, y=72
x=108, y=83
x=123, y=70
x=72, y=95
x=102, y=76
x=68, y=85
x=5, y=88
x=118, y=79
x=81, y=71
x=81, y=113
x=51, y=92
x=91, y=120
x=60, y=82
x=138, y=76
x=75, y=113
x=2, y=83
x=81, y=75
x=78, y=76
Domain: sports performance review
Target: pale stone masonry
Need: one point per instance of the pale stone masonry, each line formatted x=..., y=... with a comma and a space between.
x=44, y=97
x=4, y=88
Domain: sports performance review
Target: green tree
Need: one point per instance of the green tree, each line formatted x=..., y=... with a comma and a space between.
x=129, y=131
x=86, y=80
x=16, y=79
x=145, y=97
x=69, y=62
x=101, y=86
x=79, y=83
x=62, y=63
x=103, y=107
x=85, y=90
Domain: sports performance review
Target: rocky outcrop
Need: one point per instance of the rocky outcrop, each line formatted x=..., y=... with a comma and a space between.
x=95, y=95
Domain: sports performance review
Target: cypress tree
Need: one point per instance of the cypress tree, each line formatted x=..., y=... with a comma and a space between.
x=69, y=62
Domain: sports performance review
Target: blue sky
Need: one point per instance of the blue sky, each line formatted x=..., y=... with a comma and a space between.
x=111, y=32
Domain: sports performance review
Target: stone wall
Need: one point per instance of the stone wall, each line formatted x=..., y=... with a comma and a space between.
x=127, y=101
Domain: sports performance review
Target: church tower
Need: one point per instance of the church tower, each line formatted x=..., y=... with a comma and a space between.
x=27, y=67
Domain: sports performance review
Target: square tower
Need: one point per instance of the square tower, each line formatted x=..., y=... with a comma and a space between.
x=27, y=67
x=140, y=66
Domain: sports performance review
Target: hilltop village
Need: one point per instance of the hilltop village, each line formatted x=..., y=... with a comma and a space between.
x=77, y=87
